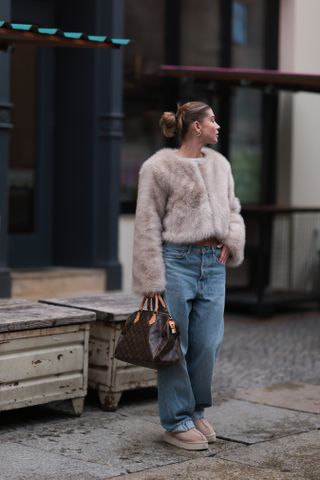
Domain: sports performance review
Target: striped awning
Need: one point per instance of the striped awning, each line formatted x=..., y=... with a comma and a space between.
x=245, y=77
x=11, y=33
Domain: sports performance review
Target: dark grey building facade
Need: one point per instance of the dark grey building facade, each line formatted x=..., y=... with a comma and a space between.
x=60, y=138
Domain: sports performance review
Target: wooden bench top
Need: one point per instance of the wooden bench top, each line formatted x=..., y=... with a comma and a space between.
x=25, y=315
x=109, y=306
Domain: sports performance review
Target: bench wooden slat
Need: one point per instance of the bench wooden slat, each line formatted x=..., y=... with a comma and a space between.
x=26, y=315
x=110, y=306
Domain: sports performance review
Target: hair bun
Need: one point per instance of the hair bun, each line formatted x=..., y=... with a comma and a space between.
x=178, y=124
x=168, y=124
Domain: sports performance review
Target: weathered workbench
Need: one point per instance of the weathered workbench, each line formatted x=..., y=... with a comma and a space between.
x=107, y=374
x=43, y=354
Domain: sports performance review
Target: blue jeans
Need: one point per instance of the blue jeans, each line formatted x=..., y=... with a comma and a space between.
x=195, y=297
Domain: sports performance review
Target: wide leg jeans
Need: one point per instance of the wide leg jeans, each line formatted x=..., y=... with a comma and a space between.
x=195, y=297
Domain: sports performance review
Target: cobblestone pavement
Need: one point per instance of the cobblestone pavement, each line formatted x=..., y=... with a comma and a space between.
x=259, y=352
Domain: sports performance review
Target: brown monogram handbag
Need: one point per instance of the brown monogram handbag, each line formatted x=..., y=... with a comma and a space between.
x=150, y=337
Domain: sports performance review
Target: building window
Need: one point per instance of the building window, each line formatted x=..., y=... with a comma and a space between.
x=22, y=168
x=245, y=150
x=143, y=90
x=239, y=23
x=197, y=37
x=200, y=32
x=245, y=138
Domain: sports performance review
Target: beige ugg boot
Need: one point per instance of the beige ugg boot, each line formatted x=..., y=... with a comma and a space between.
x=189, y=440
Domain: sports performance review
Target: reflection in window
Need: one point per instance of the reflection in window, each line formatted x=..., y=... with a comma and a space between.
x=239, y=23
x=245, y=144
x=248, y=33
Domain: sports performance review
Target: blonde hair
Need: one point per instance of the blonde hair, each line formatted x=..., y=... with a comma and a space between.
x=178, y=124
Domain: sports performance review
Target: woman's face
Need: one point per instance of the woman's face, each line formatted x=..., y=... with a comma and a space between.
x=209, y=128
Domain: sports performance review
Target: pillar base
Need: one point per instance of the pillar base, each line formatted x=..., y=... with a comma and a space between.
x=114, y=276
x=5, y=283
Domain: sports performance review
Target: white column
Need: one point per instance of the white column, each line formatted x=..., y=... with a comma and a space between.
x=299, y=115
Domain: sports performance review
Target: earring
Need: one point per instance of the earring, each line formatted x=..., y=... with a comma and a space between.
x=198, y=134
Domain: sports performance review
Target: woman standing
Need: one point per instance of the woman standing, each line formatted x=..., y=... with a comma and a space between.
x=187, y=228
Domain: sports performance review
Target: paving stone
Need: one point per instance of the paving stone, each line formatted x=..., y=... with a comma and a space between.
x=299, y=454
x=137, y=402
x=22, y=424
x=21, y=462
x=124, y=444
x=210, y=469
x=296, y=396
x=250, y=423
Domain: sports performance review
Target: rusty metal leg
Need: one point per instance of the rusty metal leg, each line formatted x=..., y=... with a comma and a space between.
x=109, y=400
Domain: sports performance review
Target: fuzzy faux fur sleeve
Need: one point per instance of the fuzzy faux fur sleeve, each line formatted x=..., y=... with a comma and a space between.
x=148, y=270
x=235, y=239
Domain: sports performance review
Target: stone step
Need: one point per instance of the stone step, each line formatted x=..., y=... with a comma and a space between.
x=56, y=281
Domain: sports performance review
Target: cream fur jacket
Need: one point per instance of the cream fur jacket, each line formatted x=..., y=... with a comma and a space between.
x=182, y=201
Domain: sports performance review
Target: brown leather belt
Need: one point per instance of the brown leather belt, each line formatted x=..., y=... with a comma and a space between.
x=209, y=242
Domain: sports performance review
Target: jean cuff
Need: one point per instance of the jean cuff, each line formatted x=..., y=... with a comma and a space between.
x=198, y=414
x=183, y=426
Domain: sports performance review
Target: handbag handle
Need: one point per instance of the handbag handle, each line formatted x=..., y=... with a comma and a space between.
x=163, y=303
x=157, y=298
x=155, y=310
x=149, y=304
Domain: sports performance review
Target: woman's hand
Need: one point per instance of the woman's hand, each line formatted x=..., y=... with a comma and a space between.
x=224, y=255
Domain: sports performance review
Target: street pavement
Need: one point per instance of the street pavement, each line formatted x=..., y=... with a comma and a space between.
x=266, y=414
